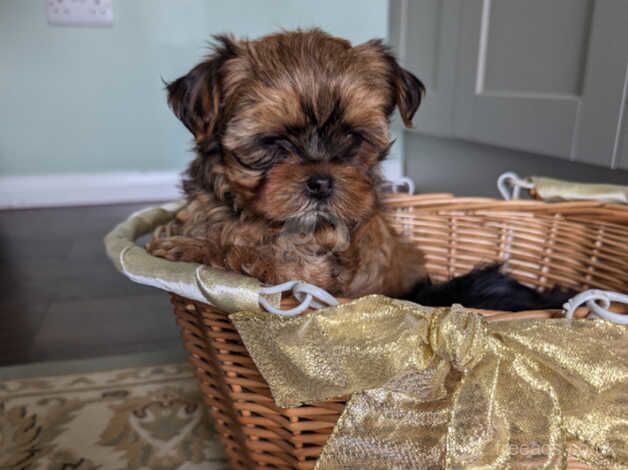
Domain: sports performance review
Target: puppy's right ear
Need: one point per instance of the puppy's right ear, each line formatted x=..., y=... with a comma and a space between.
x=196, y=98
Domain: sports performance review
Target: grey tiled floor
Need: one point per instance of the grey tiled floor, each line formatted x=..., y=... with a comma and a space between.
x=60, y=298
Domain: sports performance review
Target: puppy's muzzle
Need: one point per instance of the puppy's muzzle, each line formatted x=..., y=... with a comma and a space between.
x=319, y=187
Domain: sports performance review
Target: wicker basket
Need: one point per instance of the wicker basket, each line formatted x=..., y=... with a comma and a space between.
x=577, y=244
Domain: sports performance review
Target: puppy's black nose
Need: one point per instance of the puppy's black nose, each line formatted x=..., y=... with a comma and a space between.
x=319, y=186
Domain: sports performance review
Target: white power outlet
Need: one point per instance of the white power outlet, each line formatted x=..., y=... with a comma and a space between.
x=80, y=12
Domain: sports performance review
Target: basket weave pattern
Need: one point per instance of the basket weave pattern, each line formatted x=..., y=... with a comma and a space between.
x=581, y=245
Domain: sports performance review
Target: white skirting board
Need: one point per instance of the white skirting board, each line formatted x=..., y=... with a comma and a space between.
x=84, y=189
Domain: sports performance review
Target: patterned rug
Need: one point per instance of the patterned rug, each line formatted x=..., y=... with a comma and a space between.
x=141, y=418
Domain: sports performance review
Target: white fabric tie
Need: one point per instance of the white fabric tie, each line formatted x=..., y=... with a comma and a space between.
x=510, y=184
x=591, y=298
x=308, y=295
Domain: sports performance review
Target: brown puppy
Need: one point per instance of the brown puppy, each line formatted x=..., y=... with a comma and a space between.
x=290, y=130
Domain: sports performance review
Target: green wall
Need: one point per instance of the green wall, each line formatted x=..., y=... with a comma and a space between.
x=76, y=99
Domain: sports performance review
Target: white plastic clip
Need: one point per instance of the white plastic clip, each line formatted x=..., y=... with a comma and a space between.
x=400, y=185
x=510, y=184
x=599, y=310
x=308, y=295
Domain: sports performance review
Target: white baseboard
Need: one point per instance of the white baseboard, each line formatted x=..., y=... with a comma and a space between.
x=83, y=189
x=87, y=189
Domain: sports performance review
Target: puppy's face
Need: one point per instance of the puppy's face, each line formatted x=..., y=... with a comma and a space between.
x=294, y=125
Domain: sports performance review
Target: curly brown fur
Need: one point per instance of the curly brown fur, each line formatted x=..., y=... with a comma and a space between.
x=289, y=133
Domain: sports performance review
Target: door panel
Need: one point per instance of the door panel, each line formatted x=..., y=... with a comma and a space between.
x=555, y=35
x=521, y=72
x=603, y=127
x=621, y=144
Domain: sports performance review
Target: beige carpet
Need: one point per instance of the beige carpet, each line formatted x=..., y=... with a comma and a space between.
x=140, y=418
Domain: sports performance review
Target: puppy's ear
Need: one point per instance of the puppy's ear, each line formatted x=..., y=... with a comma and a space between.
x=197, y=98
x=408, y=91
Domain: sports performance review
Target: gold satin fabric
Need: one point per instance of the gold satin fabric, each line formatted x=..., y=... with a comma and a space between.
x=442, y=388
x=550, y=189
x=227, y=291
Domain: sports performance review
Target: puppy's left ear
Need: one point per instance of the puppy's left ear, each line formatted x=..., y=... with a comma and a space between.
x=408, y=91
x=197, y=97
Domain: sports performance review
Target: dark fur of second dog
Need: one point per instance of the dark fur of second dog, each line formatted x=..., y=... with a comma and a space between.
x=488, y=288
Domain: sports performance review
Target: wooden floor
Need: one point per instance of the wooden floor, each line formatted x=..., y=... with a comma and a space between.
x=60, y=297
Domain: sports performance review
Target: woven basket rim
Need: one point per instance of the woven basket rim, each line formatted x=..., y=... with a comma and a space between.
x=205, y=284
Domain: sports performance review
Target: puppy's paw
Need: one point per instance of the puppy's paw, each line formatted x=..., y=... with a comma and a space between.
x=179, y=249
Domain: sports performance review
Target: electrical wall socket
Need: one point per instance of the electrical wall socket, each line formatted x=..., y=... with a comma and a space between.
x=79, y=12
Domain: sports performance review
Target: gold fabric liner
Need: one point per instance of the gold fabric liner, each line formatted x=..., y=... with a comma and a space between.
x=550, y=189
x=442, y=388
x=225, y=290
x=229, y=291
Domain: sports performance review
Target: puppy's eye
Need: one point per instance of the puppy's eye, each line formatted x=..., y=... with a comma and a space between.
x=266, y=151
x=276, y=142
x=357, y=136
x=348, y=147
x=360, y=136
